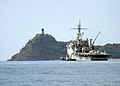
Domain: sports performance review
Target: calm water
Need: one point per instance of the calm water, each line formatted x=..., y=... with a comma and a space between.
x=60, y=73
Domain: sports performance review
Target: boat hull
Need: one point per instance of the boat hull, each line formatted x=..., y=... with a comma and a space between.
x=88, y=57
x=99, y=57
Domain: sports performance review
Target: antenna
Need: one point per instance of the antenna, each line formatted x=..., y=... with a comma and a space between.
x=79, y=23
x=79, y=35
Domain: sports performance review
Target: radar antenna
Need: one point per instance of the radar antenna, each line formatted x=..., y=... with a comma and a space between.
x=79, y=35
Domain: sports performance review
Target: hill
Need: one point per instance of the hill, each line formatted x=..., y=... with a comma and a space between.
x=41, y=47
x=113, y=49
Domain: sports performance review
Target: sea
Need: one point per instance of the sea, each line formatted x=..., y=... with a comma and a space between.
x=59, y=73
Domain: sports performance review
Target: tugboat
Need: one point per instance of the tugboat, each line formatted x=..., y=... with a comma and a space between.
x=83, y=50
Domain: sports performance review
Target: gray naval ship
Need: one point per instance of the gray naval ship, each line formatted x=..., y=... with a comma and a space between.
x=83, y=50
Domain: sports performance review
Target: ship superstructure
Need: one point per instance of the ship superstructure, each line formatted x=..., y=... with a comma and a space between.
x=80, y=49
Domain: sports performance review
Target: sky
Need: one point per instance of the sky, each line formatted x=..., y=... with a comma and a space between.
x=21, y=20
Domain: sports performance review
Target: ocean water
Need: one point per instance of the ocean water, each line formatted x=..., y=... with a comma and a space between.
x=59, y=73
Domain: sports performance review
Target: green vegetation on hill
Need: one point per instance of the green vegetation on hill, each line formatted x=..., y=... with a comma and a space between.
x=41, y=47
x=113, y=49
x=45, y=47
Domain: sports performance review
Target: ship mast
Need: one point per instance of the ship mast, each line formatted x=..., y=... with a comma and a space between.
x=79, y=35
x=79, y=29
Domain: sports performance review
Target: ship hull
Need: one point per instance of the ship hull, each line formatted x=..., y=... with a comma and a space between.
x=99, y=57
x=88, y=57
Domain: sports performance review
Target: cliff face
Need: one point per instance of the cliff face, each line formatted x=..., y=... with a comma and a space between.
x=41, y=47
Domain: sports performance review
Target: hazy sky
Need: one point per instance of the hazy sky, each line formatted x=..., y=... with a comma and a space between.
x=21, y=20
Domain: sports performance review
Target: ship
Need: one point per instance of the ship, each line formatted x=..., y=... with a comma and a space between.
x=83, y=50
